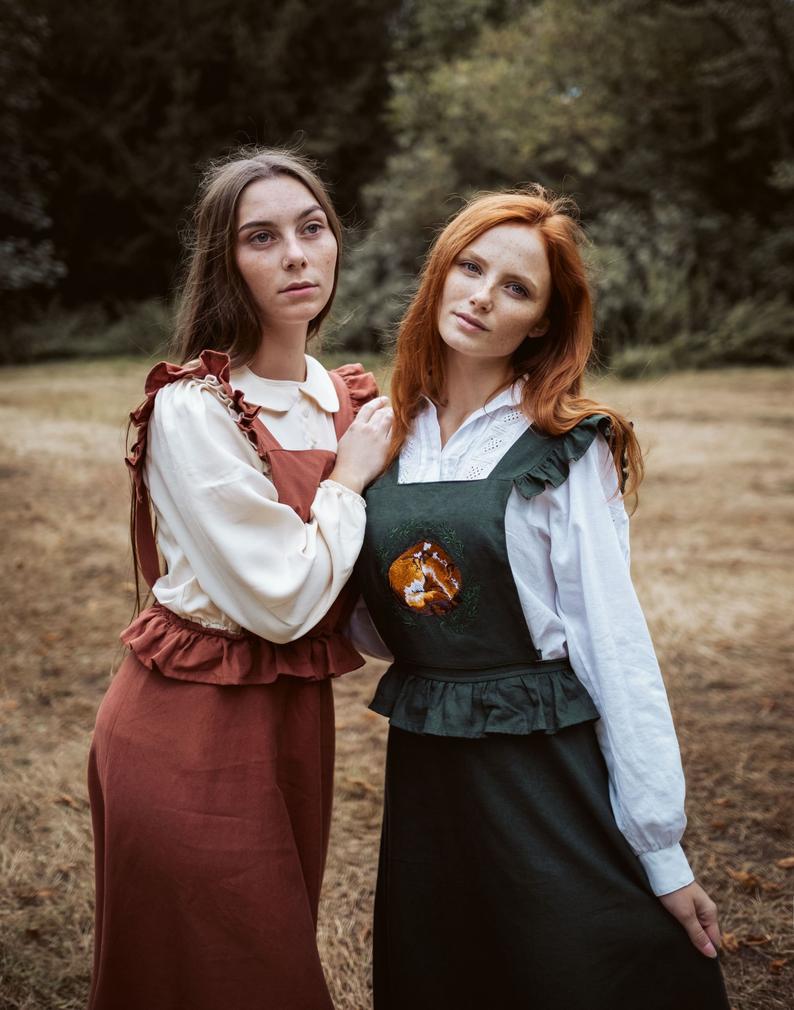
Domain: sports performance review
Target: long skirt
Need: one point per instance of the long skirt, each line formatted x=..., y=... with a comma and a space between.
x=505, y=882
x=211, y=810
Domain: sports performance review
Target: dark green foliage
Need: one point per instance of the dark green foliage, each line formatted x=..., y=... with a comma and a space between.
x=26, y=253
x=671, y=123
x=142, y=327
x=137, y=96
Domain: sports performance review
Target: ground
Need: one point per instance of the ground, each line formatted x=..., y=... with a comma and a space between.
x=711, y=560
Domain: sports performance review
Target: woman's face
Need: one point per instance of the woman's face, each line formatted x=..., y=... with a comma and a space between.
x=496, y=293
x=285, y=250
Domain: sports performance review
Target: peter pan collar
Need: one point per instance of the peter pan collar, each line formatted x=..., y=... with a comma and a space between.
x=279, y=395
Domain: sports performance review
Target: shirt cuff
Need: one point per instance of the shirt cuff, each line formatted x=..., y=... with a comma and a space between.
x=666, y=869
x=344, y=489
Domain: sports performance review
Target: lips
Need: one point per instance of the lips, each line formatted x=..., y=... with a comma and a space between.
x=471, y=320
x=299, y=286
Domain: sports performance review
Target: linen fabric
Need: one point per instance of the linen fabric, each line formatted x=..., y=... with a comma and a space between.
x=503, y=877
x=213, y=497
x=568, y=550
x=211, y=767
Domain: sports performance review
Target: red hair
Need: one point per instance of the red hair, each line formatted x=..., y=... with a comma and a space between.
x=555, y=363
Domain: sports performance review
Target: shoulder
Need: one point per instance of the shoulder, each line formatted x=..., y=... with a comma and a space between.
x=591, y=484
x=596, y=467
x=192, y=399
x=555, y=459
x=193, y=422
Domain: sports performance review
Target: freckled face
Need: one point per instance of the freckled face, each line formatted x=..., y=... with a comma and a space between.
x=496, y=293
x=285, y=251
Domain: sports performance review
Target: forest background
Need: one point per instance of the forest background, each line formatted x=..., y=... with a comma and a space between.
x=671, y=124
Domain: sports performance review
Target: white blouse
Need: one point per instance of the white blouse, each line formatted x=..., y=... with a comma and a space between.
x=235, y=556
x=569, y=553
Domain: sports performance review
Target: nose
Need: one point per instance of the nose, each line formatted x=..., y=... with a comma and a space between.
x=481, y=299
x=294, y=256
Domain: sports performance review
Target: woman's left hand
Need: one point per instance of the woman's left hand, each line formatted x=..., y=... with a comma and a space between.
x=697, y=913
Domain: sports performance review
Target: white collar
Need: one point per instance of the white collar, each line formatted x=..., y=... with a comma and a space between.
x=279, y=395
x=510, y=397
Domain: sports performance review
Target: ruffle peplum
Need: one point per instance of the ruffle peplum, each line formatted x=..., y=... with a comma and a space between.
x=529, y=695
x=520, y=703
x=185, y=650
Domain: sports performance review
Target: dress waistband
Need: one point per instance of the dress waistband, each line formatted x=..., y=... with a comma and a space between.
x=483, y=673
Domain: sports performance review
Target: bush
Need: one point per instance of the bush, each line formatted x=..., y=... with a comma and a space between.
x=88, y=331
x=754, y=331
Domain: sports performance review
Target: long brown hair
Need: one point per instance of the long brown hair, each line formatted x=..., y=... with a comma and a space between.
x=214, y=308
x=555, y=363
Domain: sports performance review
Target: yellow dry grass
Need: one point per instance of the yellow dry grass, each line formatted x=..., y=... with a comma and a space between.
x=711, y=560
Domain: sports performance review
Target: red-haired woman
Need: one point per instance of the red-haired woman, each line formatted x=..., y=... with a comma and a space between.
x=211, y=768
x=530, y=852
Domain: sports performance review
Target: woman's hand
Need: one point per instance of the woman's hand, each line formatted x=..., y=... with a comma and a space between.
x=697, y=913
x=362, y=450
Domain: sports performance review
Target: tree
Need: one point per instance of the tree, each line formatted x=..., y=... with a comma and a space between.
x=670, y=123
x=137, y=97
x=27, y=260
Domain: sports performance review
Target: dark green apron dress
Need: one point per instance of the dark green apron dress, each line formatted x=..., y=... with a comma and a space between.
x=504, y=881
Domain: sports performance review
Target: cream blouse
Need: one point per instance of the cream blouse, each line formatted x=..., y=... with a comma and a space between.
x=235, y=556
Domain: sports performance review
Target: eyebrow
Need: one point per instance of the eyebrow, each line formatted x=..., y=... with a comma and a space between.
x=517, y=278
x=272, y=224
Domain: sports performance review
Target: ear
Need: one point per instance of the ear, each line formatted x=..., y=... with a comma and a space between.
x=540, y=329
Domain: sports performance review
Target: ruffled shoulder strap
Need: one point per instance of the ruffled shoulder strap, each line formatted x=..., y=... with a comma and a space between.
x=537, y=461
x=212, y=366
x=354, y=387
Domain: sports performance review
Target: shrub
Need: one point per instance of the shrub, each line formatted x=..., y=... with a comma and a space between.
x=88, y=331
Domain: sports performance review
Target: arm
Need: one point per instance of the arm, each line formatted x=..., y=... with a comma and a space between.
x=611, y=651
x=254, y=557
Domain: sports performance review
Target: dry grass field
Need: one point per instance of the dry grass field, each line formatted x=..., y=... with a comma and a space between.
x=712, y=563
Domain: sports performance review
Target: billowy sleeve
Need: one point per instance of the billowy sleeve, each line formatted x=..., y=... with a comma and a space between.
x=252, y=555
x=611, y=652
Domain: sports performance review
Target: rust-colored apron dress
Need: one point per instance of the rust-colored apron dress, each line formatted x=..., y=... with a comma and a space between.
x=211, y=774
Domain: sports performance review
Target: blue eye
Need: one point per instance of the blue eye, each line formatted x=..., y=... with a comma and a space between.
x=518, y=289
x=470, y=267
x=261, y=235
x=316, y=226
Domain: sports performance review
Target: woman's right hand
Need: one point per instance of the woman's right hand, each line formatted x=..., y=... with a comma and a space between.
x=362, y=450
x=697, y=913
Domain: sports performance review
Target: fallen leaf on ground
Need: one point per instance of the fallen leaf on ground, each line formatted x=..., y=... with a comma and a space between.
x=755, y=940
x=751, y=881
x=745, y=878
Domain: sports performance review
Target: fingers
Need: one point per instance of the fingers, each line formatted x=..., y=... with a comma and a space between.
x=697, y=913
x=698, y=935
x=371, y=407
x=706, y=912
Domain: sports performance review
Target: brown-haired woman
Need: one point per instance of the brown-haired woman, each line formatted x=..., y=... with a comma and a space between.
x=534, y=796
x=211, y=768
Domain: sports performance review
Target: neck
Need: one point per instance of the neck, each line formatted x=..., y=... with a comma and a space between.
x=470, y=384
x=281, y=354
